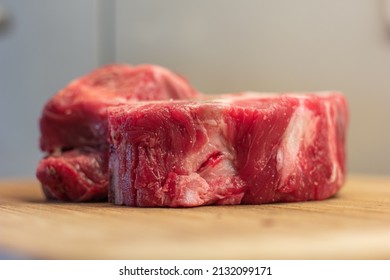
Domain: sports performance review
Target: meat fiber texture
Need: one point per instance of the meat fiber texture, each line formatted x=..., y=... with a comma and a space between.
x=74, y=126
x=241, y=149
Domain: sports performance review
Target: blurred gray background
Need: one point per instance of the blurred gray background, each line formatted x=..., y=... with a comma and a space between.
x=219, y=45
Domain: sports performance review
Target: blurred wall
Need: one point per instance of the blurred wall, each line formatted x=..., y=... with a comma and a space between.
x=219, y=45
x=277, y=45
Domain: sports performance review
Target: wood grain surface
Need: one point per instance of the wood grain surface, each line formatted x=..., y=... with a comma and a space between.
x=353, y=225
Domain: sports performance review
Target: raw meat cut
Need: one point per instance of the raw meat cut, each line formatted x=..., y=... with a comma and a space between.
x=75, y=121
x=76, y=175
x=77, y=115
x=246, y=148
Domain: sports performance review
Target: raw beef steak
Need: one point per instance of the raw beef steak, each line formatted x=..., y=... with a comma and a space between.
x=76, y=175
x=77, y=115
x=247, y=149
x=75, y=120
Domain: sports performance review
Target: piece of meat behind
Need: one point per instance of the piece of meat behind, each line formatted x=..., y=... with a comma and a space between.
x=78, y=175
x=236, y=150
x=75, y=120
x=77, y=115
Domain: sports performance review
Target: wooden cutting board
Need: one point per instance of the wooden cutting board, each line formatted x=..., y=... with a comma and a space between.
x=353, y=225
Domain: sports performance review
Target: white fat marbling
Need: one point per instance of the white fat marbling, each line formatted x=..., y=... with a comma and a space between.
x=300, y=133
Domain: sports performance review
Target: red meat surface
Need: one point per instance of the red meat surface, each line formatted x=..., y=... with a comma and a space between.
x=247, y=149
